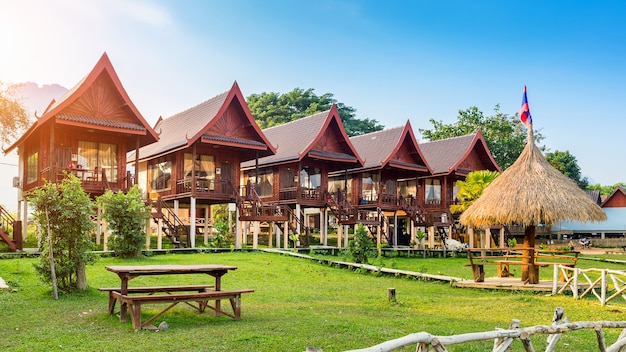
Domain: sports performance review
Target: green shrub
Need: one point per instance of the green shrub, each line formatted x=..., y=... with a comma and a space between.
x=361, y=247
x=63, y=212
x=126, y=215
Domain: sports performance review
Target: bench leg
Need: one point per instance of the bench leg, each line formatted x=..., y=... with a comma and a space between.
x=112, y=301
x=135, y=315
x=235, y=303
x=479, y=272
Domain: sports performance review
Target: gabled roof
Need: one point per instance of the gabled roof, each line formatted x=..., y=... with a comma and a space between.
x=99, y=102
x=446, y=156
x=319, y=136
x=223, y=120
x=395, y=147
x=617, y=198
x=595, y=196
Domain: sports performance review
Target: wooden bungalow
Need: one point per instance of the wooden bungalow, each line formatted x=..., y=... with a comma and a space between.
x=387, y=184
x=88, y=133
x=451, y=160
x=196, y=162
x=297, y=175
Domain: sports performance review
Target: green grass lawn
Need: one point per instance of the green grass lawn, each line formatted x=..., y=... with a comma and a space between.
x=296, y=303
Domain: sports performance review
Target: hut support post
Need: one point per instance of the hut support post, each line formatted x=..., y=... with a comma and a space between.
x=529, y=270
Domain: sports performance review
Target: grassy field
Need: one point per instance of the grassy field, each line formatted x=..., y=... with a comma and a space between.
x=296, y=303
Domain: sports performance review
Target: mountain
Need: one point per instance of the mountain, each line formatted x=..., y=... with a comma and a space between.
x=36, y=98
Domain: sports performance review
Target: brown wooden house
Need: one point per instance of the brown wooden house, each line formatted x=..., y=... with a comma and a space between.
x=297, y=175
x=88, y=133
x=196, y=161
x=451, y=160
x=386, y=186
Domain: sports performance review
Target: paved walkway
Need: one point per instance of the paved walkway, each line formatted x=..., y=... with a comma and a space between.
x=505, y=283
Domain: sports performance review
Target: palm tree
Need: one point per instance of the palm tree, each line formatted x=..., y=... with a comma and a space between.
x=472, y=188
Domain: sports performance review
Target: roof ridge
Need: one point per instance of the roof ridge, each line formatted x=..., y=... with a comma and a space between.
x=296, y=120
x=449, y=138
x=197, y=105
x=380, y=131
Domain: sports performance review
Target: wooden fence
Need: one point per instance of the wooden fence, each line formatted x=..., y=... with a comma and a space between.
x=604, y=284
x=504, y=338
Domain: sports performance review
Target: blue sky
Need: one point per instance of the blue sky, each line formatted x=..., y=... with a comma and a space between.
x=391, y=60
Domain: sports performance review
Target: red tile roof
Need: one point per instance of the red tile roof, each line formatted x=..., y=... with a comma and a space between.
x=445, y=155
x=117, y=110
x=296, y=139
x=185, y=128
x=379, y=148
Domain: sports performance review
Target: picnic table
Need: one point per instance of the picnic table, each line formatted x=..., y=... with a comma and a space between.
x=534, y=258
x=131, y=298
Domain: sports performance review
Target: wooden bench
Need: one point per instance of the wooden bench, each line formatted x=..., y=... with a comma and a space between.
x=134, y=303
x=152, y=290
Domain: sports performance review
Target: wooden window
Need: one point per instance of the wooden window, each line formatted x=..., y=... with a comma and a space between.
x=433, y=191
x=160, y=175
x=204, y=168
x=265, y=186
x=31, y=167
x=407, y=188
x=310, y=177
x=98, y=156
x=370, y=183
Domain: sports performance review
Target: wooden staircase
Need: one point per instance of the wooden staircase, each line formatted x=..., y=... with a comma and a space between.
x=10, y=230
x=173, y=227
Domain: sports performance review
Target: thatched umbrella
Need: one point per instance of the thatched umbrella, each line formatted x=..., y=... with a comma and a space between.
x=529, y=192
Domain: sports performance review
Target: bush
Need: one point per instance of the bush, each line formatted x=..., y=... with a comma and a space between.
x=361, y=247
x=126, y=215
x=63, y=212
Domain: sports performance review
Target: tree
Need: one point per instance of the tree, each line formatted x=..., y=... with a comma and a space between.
x=126, y=215
x=63, y=214
x=271, y=109
x=605, y=190
x=472, y=188
x=361, y=247
x=13, y=118
x=568, y=165
x=504, y=134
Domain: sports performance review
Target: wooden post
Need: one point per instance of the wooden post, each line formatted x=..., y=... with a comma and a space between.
x=391, y=294
x=191, y=241
x=148, y=233
x=530, y=272
x=160, y=233
x=255, y=234
x=286, y=235
x=270, y=232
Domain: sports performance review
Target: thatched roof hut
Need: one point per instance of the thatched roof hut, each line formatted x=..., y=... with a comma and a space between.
x=531, y=191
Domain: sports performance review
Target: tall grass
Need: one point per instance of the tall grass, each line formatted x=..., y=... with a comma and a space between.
x=296, y=303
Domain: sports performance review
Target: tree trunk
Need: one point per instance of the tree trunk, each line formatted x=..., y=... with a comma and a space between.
x=81, y=278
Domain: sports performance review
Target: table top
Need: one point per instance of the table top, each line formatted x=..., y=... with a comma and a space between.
x=168, y=269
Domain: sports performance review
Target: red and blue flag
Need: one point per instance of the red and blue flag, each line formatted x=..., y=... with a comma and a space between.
x=525, y=112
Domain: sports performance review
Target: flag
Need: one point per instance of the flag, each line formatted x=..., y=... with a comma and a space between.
x=524, y=114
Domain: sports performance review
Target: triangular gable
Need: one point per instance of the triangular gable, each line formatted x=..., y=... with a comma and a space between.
x=222, y=120
x=332, y=143
x=319, y=136
x=407, y=154
x=396, y=147
x=100, y=102
x=477, y=153
x=617, y=199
